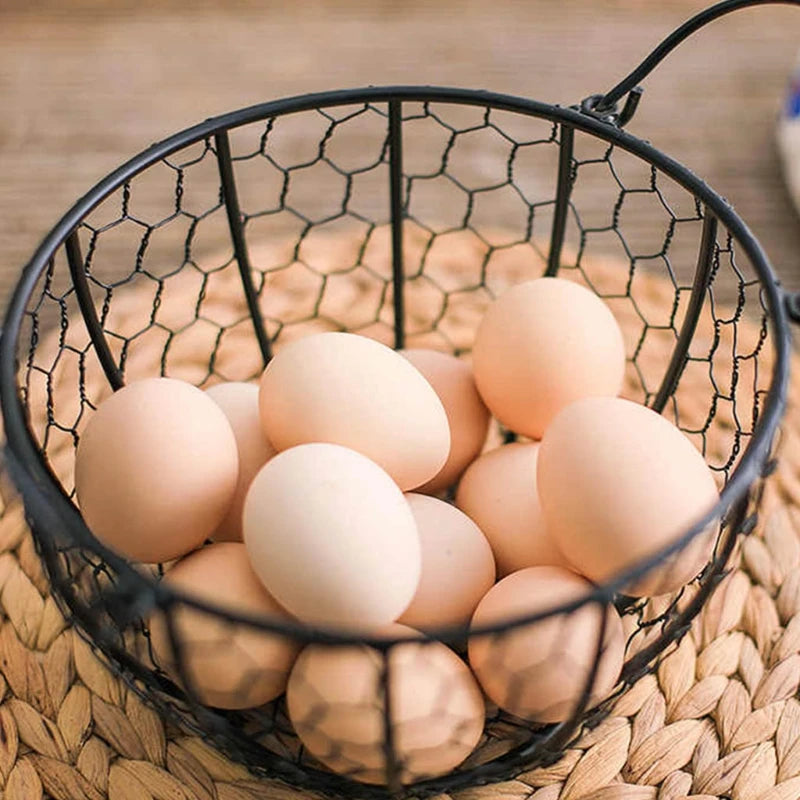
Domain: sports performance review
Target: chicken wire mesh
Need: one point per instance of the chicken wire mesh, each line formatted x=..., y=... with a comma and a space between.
x=397, y=214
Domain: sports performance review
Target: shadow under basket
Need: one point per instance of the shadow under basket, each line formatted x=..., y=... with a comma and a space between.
x=397, y=213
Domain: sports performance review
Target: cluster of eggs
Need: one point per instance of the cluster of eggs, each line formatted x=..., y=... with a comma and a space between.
x=323, y=493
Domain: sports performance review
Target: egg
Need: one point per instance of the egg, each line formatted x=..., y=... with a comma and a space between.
x=239, y=403
x=457, y=565
x=499, y=493
x=539, y=671
x=229, y=665
x=335, y=702
x=156, y=469
x=467, y=416
x=346, y=389
x=332, y=537
x=542, y=345
x=617, y=483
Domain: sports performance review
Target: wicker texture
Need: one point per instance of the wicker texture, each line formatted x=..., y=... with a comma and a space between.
x=719, y=719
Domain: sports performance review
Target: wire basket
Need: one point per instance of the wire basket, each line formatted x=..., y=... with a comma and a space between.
x=397, y=213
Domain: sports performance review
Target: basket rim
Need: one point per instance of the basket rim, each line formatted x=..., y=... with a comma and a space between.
x=34, y=477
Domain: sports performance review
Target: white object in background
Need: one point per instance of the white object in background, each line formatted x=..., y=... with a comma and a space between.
x=788, y=136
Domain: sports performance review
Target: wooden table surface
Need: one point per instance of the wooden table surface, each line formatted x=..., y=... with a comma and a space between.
x=84, y=84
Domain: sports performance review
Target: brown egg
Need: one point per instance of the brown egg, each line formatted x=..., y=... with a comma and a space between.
x=457, y=565
x=350, y=390
x=539, y=671
x=542, y=345
x=334, y=700
x=156, y=469
x=332, y=537
x=229, y=665
x=498, y=492
x=468, y=417
x=239, y=403
x=617, y=483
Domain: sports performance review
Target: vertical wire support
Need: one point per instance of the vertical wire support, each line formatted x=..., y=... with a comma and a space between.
x=77, y=270
x=179, y=659
x=396, y=211
x=702, y=276
x=563, y=191
x=563, y=733
x=231, y=199
x=393, y=778
x=736, y=521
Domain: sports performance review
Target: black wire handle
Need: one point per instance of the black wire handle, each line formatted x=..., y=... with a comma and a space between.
x=603, y=105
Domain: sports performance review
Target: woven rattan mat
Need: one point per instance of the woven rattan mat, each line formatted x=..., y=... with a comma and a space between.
x=719, y=719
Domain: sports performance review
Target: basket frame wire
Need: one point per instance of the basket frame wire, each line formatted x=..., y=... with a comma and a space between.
x=49, y=507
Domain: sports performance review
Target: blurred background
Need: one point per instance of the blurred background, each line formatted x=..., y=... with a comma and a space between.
x=85, y=84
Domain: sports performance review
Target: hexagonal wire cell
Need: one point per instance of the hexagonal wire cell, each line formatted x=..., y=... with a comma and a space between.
x=399, y=214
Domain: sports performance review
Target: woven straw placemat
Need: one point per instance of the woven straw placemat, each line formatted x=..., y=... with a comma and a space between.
x=719, y=719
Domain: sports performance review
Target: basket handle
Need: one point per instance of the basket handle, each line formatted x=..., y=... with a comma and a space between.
x=605, y=105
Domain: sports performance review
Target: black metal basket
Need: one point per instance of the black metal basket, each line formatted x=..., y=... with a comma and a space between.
x=394, y=169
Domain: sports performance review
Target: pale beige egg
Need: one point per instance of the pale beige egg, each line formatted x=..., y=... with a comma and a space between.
x=239, y=403
x=539, y=671
x=542, y=345
x=350, y=390
x=156, y=469
x=499, y=493
x=457, y=565
x=229, y=665
x=335, y=703
x=468, y=417
x=332, y=537
x=618, y=483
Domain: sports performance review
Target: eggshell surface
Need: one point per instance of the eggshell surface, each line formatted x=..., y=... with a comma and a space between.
x=156, y=469
x=499, y=493
x=538, y=671
x=617, y=483
x=346, y=389
x=542, y=345
x=229, y=665
x=239, y=403
x=334, y=703
x=467, y=416
x=457, y=565
x=332, y=537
